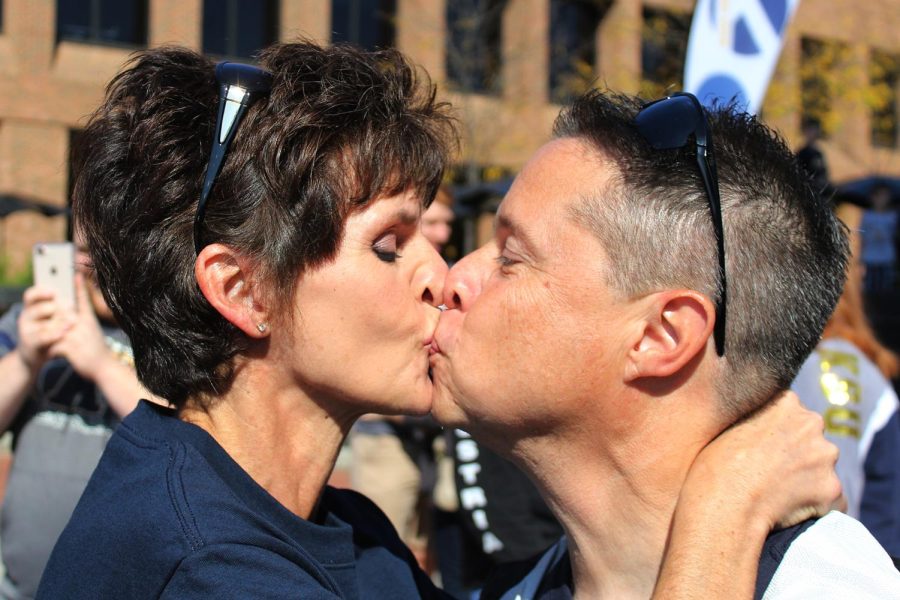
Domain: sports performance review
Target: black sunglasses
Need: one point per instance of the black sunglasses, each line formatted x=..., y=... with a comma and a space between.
x=670, y=123
x=239, y=87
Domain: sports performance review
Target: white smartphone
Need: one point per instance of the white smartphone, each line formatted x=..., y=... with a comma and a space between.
x=54, y=269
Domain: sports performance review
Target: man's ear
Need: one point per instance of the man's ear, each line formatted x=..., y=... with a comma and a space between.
x=226, y=280
x=674, y=330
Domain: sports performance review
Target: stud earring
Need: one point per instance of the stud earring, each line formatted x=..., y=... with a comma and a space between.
x=261, y=327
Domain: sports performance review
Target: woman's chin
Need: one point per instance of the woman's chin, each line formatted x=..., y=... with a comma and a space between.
x=421, y=403
x=418, y=402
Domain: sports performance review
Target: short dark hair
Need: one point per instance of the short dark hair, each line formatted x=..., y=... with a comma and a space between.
x=340, y=128
x=786, y=253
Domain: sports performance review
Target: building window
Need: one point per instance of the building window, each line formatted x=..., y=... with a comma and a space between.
x=473, y=45
x=102, y=21
x=822, y=81
x=365, y=23
x=573, y=46
x=239, y=28
x=664, y=38
x=884, y=77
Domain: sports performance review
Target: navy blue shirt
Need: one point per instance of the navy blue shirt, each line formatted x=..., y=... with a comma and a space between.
x=169, y=514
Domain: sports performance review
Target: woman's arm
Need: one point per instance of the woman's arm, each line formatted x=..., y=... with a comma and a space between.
x=771, y=471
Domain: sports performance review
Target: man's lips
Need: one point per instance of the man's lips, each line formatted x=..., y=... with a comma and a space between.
x=433, y=347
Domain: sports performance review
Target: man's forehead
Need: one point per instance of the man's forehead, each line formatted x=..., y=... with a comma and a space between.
x=561, y=176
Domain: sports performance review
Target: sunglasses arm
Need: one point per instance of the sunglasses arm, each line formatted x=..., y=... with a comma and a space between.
x=707, y=163
x=233, y=103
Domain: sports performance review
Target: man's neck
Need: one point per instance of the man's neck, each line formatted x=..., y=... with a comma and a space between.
x=615, y=495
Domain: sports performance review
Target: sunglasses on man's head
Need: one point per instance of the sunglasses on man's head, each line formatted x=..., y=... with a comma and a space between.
x=674, y=122
x=239, y=87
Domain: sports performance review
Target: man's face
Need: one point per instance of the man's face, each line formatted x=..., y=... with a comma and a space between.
x=535, y=334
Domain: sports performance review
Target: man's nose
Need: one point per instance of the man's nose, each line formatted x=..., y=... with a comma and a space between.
x=466, y=279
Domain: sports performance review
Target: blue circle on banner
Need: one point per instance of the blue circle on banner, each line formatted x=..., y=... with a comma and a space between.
x=724, y=89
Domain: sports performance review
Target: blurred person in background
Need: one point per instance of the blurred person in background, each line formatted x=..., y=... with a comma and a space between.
x=68, y=378
x=437, y=222
x=846, y=379
x=878, y=232
x=393, y=465
x=504, y=518
x=812, y=159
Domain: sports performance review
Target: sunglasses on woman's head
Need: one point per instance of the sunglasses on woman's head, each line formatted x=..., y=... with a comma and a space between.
x=239, y=86
x=674, y=122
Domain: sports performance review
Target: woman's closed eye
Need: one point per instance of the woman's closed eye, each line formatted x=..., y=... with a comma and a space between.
x=386, y=248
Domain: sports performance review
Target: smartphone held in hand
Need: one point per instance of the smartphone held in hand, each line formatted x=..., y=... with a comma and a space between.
x=54, y=269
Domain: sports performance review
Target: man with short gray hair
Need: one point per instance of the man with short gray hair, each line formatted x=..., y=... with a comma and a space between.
x=658, y=272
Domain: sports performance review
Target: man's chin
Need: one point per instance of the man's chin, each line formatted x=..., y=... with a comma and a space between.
x=445, y=410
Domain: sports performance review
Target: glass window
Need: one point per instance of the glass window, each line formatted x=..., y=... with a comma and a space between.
x=239, y=28
x=884, y=76
x=366, y=23
x=664, y=38
x=573, y=46
x=822, y=80
x=103, y=21
x=473, y=44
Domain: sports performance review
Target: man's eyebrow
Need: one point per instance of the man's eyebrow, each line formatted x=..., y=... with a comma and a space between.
x=505, y=222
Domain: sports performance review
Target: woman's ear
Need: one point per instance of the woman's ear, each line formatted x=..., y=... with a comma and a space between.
x=675, y=329
x=226, y=280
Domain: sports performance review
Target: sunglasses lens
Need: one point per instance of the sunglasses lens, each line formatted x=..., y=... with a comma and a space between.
x=668, y=123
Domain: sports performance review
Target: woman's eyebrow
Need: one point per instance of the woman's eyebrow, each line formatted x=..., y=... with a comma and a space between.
x=407, y=216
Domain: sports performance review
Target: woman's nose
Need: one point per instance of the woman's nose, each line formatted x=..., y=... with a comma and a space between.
x=466, y=278
x=430, y=276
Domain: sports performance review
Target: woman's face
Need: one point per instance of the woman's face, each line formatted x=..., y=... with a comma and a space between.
x=363, y=322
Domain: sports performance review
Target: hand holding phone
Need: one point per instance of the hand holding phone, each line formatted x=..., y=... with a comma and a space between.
x=54, y=269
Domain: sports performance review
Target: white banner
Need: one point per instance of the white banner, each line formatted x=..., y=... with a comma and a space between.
x=733, y=48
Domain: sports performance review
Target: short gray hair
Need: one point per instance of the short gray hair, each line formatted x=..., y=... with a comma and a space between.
x=786, y=252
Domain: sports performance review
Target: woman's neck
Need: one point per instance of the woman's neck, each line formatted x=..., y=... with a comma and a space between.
x=284, y=440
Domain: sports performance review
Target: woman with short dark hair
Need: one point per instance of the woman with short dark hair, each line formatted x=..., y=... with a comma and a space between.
x=303, y=296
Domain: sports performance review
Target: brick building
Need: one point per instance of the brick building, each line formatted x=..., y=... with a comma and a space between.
x=505, y=64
